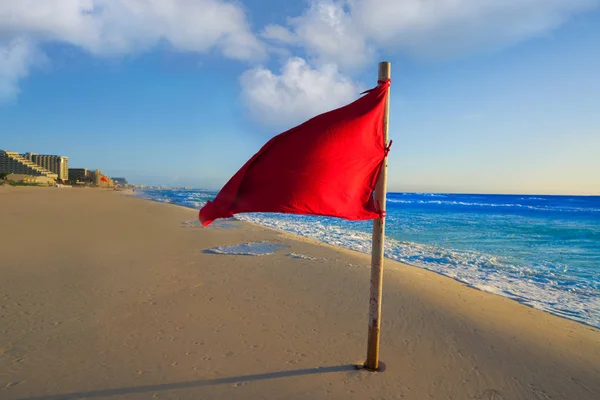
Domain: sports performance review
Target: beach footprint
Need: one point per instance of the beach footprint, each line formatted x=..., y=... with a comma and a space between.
x=490, y=394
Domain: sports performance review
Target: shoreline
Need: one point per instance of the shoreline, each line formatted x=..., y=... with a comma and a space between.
x=296, y=236
x=127, y=303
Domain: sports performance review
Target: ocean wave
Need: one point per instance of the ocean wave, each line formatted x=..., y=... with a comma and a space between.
x=495, y=205
x=191, y=199
x=422, y=194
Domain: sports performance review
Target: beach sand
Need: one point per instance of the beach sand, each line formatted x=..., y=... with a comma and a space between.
x=114, y=297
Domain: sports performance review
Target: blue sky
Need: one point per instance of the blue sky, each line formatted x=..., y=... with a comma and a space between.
x=487, y=95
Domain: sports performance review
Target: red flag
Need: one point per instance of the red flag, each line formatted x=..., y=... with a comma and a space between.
x=103, y=179
x=327, y=166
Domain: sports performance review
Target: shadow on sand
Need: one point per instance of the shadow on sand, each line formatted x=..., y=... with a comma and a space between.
x=191, y=384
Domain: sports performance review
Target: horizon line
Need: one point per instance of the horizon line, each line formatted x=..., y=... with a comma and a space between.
x=169, y=187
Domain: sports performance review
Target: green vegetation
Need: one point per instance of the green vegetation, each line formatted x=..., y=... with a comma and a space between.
x=3, y=175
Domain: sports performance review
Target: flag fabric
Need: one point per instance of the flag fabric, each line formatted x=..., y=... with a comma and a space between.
x=327, y=166
x=103, y=179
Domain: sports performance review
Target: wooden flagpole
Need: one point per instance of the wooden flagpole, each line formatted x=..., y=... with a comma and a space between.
x=372, y=363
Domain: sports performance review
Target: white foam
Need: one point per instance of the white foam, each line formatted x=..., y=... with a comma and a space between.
x=247, y=249
x=494, y=205
x=482, y=271
x=191, y=224
x=301, y=256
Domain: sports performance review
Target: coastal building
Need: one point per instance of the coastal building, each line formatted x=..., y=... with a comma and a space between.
x=106, y=182
x=81, y=175
x=57, y=164
x=120, y=181
x=12, y=162
x=84, y=175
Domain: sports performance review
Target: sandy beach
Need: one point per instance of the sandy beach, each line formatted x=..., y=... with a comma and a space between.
x=108, y=296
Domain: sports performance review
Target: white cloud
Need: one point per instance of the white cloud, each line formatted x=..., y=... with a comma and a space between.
x=114, y=27
x=441, y=28
x=278, y=33
x=16, y=57
x=123, y=26
x=300, y=92
x=328, y=34
x=350, y=32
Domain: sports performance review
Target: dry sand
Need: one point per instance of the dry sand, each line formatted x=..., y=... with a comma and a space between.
x=113, y=297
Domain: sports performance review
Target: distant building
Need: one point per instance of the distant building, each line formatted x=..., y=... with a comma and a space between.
x=108, y=183
x=12, y=162
x=84, y=175
x=57, y=164
x=81, y=175
x=120, y=181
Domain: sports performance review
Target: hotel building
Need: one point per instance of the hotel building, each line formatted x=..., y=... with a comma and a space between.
x=12, y=162
x=57, y=164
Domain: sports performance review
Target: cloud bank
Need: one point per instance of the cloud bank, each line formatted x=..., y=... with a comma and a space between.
x=116, y=27
x=349, y=34
x=330, y=41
